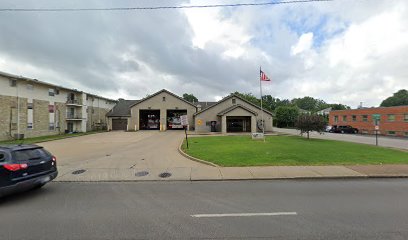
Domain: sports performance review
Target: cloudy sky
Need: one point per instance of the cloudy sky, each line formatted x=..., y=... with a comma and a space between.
x=344, y=51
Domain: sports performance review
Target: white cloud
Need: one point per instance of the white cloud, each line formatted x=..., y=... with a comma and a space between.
x=304, y=43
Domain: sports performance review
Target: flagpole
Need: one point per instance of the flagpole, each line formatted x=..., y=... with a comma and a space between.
x=260, y=87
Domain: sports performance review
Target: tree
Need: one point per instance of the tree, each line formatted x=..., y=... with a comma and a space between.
x=398, y=99
x=307, y=123
x=190, y=97
x=309, y=103
x=337, y=106
x=286, y=116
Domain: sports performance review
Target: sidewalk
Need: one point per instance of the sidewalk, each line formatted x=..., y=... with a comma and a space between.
x=231, y=173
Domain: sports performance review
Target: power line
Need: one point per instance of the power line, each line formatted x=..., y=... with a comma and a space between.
x=156, y=8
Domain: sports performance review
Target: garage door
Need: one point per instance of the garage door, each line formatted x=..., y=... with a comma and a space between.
x=119, y=124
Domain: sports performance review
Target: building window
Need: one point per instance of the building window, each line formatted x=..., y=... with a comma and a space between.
x=354, y=118
x=52, y=127
x=391, y=117
x=344, y=118
x=13, y=82
x=56, y=91
x=29, y=105
x=164, y=99
x=365, y=118
x=93, y=110
x=391, y=132
x=336, y=119
x=406, y=134
x=51, y=92
x=234, y=101
x=29, y=125
x=51, y=108
x=406, y=117
x=30, y=87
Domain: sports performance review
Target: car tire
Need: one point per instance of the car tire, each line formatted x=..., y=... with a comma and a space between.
x=342, y=131
x=355, y=131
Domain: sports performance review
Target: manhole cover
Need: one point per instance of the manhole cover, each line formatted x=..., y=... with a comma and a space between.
x=141, y=174
x=80, y=171
x=165, y=175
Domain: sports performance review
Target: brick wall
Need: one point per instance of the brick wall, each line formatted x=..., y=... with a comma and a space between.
x=387, y=126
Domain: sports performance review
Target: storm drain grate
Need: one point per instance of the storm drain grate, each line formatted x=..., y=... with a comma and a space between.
x=80, y=171
x=165, y=175
x=141, y=174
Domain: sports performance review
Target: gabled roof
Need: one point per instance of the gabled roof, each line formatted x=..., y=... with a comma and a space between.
x=161, y=91
x=235, y=107
x=122, y=108
x=204, y=105
x=228, y=97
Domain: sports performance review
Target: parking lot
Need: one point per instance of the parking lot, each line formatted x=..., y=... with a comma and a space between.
x=393, y=142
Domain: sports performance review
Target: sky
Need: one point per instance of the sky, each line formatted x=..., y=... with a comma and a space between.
x=343, y=51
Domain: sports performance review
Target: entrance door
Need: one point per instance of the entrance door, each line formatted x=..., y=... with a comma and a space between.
x=149, y=120
x=70, y=126
x=238, y=124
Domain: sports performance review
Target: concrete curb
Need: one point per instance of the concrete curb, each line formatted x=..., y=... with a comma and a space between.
x=193, y=158
x=243, y=179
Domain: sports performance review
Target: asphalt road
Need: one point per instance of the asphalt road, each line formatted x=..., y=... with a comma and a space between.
x=329, y=209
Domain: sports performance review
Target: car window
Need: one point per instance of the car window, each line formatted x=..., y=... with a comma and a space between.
x=29, y=154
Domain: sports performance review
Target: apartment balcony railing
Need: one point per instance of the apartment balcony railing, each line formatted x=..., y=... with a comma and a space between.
x=74, y=116
x=74, y=102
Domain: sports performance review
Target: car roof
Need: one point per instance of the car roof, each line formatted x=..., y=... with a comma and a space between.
x=17, y=147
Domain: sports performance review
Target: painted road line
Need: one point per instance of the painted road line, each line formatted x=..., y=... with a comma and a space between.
x=243, y=214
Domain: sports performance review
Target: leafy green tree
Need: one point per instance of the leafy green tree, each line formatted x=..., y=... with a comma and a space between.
x=337, y=106
x=272, y=103
x=286, y=116
x=307, y=123
x=398, y=99
x=309, y=103
x=190, y=97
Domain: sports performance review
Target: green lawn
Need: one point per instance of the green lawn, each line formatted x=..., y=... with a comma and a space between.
x=47, y=138
x=288, y=150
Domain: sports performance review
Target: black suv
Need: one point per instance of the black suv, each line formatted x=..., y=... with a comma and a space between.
x=23, y=167
x=343, y=129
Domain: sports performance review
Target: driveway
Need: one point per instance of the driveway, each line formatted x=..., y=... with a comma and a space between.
x=401, y=143
x=120, y=155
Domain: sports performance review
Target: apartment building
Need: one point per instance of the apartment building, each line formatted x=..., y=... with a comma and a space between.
x=393, y=121
x=32, y=108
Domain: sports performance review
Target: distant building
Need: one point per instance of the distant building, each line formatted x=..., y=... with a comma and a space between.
x=324, y=112
x=35, y=108
x=162, y=111
x=393, y=120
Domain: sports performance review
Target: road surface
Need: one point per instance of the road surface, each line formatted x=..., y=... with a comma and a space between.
x=280, y=209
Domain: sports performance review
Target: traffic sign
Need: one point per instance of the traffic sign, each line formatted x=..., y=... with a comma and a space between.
x=184, y=120
x=377, y=128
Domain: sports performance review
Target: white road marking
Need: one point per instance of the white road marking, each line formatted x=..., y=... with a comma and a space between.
x=243, y=214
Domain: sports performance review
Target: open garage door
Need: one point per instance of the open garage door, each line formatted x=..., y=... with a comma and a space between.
x=173, y=119
x=149, y=119
x=119, y=124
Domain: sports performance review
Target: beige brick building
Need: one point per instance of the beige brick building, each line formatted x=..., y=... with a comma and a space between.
x=162, y=111
x=31, y=108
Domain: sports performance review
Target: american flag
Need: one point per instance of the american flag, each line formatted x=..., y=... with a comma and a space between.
x=264, y=77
